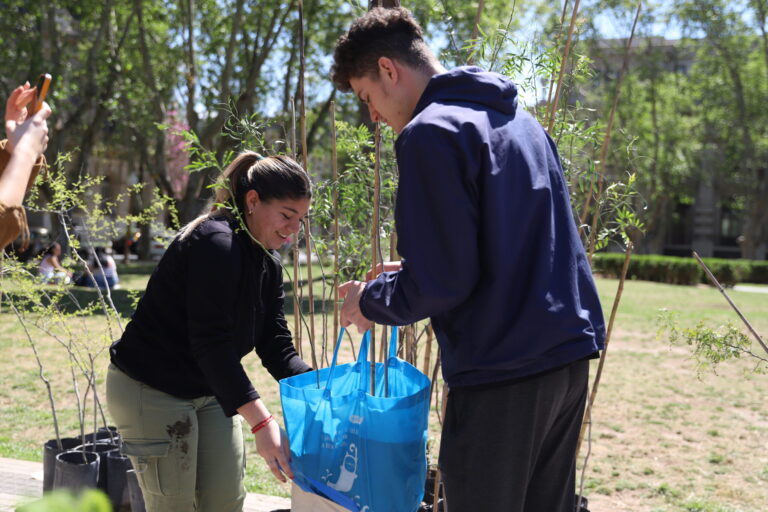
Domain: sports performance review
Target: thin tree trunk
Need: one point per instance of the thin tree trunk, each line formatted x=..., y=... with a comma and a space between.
x=563, y=64
x=296, y=289
x=41, y=374
x=476, y=27
x=305, y=162
x=188, y=10
x=88, y=138
x=601, y=364
x=336, y=213
x=226, y=74
x=383, y=3
x=762, y=12
x=607, y=141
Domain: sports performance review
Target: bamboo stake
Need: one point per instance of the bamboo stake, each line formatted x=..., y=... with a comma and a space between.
x=557, y=43
x=606, y=142
x=311, y=297
x=553, y=107
x=434, y=387
x=476, y=27
x=305, y=162
x=296, y=302
x=714, y=280
x=436, y=490
x=443, y=407
x=375, y=239
x=596, y=383
x=408, y=350
x=428, y=351
x=335, y=198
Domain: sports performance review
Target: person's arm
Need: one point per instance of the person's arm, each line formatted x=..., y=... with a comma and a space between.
x=271, y=443
x=437, y=219
x=56, y=264
x=214, y=274
x=388, y=266
x=275, y=345
x=27, y=140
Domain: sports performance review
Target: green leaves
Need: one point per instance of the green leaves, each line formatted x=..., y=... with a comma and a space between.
x=354, y=187
x=90, y=500
x=710, y=346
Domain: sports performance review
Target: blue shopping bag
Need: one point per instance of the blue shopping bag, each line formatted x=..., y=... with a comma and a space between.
x=365, y=452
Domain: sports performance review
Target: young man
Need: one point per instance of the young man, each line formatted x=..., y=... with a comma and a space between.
x=491, y=254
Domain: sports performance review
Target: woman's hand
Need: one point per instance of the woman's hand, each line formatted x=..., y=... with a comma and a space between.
x=31, y=136
x=16, y=112
x=26, y=142
x=272, y=444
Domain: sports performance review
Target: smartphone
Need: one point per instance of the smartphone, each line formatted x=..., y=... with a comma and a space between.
x=41, y=90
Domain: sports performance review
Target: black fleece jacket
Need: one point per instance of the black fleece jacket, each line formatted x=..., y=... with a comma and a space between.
x=214, y=297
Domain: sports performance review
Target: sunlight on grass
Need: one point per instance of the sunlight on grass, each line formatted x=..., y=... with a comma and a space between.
x=652, y=414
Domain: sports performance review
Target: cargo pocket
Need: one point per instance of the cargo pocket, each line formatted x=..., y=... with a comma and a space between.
x=156, y=468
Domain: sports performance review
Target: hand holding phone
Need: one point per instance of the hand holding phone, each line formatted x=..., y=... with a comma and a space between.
x=18, y=120
x=19, y=106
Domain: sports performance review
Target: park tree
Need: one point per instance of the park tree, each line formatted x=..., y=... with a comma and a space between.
x=696, y=110
x=120, y=67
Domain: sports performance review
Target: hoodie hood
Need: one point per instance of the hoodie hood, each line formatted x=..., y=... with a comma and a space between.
x=468, y=85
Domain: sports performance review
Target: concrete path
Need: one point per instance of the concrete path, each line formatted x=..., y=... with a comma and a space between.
x=751, y=289
x=23, y=480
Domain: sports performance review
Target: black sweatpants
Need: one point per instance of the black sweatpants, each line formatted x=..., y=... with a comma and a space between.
x=510, y=448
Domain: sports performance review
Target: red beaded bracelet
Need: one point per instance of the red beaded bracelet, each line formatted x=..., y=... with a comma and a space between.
x=260, y=425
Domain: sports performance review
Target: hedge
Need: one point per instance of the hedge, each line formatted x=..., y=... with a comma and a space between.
x=676, y=270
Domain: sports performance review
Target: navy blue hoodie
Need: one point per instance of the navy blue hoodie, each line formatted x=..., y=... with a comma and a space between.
x=487, y=237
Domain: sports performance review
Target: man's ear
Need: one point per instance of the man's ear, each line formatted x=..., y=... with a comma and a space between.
x=388, y=69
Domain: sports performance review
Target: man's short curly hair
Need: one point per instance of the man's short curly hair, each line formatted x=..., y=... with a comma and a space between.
x=381, y=32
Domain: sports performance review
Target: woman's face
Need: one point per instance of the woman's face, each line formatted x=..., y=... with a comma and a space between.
x=273, y=222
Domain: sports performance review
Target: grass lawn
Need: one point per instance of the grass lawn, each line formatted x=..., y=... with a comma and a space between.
x=663, y=438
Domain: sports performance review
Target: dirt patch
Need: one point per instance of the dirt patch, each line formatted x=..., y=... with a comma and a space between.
x=179, y=431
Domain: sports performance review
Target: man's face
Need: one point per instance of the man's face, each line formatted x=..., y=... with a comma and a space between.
x=383, y=101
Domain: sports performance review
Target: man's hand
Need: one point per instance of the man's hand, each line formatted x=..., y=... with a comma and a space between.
x=16, y=112
x=351, y=291
x=389, y=266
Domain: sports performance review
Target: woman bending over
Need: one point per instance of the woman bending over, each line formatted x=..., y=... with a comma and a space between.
x=176, y=382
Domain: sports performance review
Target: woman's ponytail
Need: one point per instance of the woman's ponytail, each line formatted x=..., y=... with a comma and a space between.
x=226, y=189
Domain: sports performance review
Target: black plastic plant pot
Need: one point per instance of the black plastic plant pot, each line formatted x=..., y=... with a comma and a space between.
x=117, y=485
x=50, y=451
x=104, y=434
x=76, y=470
x=581, y=504
x=428, y=503
x=134, y=492
x=102, y=450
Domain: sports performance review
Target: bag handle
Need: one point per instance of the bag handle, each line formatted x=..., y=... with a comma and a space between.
x=393, y=342
x=361, y=357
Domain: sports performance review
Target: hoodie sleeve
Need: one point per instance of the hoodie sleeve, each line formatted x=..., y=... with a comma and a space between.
x=437, y=228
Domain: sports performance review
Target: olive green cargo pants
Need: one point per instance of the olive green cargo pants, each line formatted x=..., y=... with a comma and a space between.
x=187, y=454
